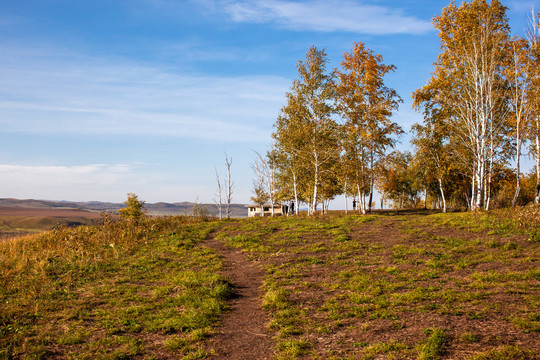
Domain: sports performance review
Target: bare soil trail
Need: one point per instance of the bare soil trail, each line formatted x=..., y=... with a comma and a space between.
x=242, y=333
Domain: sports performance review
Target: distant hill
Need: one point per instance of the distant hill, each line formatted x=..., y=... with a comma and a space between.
x=157, y=209
x=186, y=208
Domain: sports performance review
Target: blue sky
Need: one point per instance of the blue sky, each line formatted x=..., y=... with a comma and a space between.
x=99, y=98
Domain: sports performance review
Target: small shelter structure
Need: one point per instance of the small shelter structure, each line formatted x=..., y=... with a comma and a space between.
x=257, y=210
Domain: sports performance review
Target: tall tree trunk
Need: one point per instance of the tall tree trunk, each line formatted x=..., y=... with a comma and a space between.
x=361, y=200
x=315, y=184
x=490, y=175
x=472, y=200
x=271, y=191
x=229, y=185
x=518, y=170
x=219, y=199
x=442, y=195
x=371, y=178
x=537, y=138
x=295, y=187
x=479, y=178
x=345, y=195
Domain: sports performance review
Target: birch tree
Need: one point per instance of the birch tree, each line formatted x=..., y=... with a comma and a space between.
x=467, y=79
x=291, y=165
x=260, y=195
x=308, y=129
x=522, y=101
x=533, y=133
x=366, y=104
x=433, y=155
x=266, y=167
x=395, y=180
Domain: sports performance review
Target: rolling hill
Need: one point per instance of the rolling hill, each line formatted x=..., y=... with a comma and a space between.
x=156, y=209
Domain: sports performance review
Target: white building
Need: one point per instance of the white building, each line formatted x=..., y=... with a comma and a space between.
x=255, y=210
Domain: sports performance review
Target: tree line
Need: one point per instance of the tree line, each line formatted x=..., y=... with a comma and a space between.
x=480, y=110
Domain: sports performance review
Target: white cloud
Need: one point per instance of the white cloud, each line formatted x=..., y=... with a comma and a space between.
x=103, y=182
x=72, y=94
x=327, y=16
x=94, y=181
x=61, y=174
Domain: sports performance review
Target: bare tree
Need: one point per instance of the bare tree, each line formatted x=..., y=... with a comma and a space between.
x=259, y=189
x=268, y=172
x=229, y=185
x=218, y=200
x=226, y=186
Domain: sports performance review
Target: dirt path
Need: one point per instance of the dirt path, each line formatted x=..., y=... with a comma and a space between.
x=242, y=333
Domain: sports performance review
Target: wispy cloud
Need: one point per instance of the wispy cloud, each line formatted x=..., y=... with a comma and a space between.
x=62, y=173
x=327, y=16
x=60, y=182
x=106, y=182
x=72, y=94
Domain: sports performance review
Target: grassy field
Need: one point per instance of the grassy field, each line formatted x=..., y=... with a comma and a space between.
x=111, y=292
x=387, y=286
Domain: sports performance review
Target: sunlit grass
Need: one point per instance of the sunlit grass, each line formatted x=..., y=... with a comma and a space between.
x=324, y=278
x=107, y=291
x=336, y=287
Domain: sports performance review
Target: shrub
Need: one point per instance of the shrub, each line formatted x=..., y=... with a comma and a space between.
x=134, y=209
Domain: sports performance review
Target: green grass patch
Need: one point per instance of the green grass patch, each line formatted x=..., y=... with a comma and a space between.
x=336, y=287
x=105, y=291
x=433, y=348
x=506, y=353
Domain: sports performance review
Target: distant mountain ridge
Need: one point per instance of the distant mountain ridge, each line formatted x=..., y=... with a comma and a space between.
x=159, y=208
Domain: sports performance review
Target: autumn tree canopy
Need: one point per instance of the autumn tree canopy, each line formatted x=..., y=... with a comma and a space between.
x=480, y=108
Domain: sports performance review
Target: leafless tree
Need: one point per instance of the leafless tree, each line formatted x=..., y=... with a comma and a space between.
x=268, y=172
x=260, y=195
x=229, y=185
x=218, y=200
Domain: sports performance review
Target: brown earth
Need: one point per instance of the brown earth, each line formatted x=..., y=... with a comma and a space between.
x=242, y=332
x=35, y=212
x=20, y=221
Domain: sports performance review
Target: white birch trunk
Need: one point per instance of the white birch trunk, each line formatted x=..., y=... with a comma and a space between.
x=537, y=138
x=271, y=191
x=361, y=200
x=518, y=169
x=442, y=195
x=295, y=188
x=487, y=195
x=371, y=180
x=315, y=185
x=345, y=195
